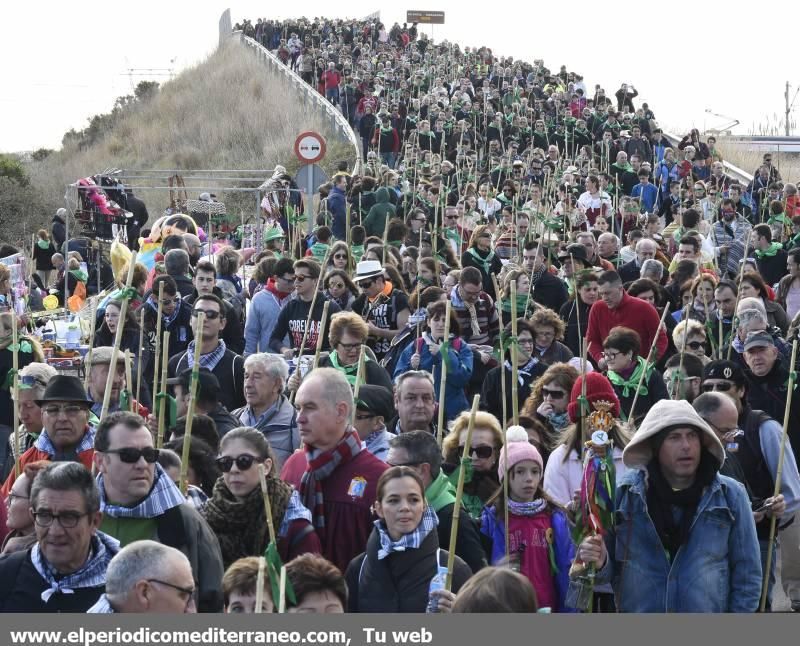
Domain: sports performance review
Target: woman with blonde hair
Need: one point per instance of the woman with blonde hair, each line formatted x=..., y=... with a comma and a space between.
x=690, y=336
x=481, y=482
x=481, y=256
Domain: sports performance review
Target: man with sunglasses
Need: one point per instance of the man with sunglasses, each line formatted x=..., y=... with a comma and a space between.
x=65, y=570
x=148, y=577
x=382, y=305
x=204, y=281
x=67, y=431
x=139, y=501
x=227, y=366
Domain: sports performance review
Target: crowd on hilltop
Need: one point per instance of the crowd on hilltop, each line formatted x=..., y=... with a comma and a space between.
x=510, y=237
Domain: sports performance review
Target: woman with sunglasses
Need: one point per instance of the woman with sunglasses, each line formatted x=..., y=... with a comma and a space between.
x=690, y=337
x=402, y=554
x=481, y=482
x=236, y=512
x=628, y=373
x=19, y=520
x=339, y=257
x=340, y=288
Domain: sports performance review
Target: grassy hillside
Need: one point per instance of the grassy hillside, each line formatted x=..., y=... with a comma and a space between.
x=229, y=112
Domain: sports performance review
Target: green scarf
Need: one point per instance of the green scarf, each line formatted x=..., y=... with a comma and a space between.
x=358, y=251
x=440, y=492
x=350, y=372
x=774, y=247
x=633, y=381
x=779, y=218
x=522, y=301
x=43, y=244
x=319, y=250
x=79, y=274
x=485, y=264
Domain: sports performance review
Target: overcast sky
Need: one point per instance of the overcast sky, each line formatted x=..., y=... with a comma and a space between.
x=66, y=61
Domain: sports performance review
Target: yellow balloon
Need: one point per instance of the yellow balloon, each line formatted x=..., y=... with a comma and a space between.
x=50, y=302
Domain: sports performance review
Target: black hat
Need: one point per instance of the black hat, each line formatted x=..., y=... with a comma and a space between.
x=377, y=400
x=208, y=387
x=577, y=251
x=724, y=369
x=64, y=388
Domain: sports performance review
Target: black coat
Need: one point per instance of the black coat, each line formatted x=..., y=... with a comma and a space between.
x=629, y=272
x=772, y=268
x=233, y=332
x=59, y=231
x=469, y=547
x=549, y=291
x=495, y=266
x=569, y=314
x=229, y=372
x=768, y=393
x=398, y=583
x=492, y=390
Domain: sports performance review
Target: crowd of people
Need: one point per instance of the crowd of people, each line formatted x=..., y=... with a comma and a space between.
x=510, y=237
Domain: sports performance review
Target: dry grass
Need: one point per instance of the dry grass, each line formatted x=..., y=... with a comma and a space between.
x=750, y=160
x=228, y=112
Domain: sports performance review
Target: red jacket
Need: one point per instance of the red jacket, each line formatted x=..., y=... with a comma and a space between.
x=348, y=515
x=633, y=313
x=34, y=455
x=330, y=79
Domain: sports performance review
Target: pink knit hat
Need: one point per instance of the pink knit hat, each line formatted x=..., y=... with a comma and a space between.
x=519, y=449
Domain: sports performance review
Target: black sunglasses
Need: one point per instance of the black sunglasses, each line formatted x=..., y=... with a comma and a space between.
x=695, y=345
x=483, y=452
x=555, y=394
x=209, y=314
x=722, y=387
x=129, y=455
x=365, y=284
x=243, y=462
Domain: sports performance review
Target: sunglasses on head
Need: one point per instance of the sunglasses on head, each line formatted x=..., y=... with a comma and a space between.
x=482, y=452
x=243, y=462
x=723, y=387
x=129, y=455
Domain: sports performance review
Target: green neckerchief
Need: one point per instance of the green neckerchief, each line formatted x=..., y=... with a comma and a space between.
x=633, y=381
x=486, y=264
x=319, y=250
x=472, y=503
x=779, y=218
x=357, y=250
x=79, y=274
x=522, y=301
x=43, y=244
x=793, y=242
x=386, y=130
x=350, y=372
x=774, y=247
x=440, y=492
x=451, y=233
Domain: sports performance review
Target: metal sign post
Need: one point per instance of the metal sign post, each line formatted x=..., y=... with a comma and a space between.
x=309, y=147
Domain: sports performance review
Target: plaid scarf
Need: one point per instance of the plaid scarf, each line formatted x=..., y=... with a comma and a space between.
x=410, y=541
x=457, y=301
x=162, y=497
x=43, y=442
x=209, y=360
x=93, y=573
x=322, y=464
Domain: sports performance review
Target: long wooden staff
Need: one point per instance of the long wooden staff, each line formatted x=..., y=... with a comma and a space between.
x=117, y=340
x=15, y=388
x=262, y=567
x=162, y=396
x=778, y=475
x=443, y=380
x=187, y=437
x=262, y=477
x=92, y=325
x=139, y=359
x=311, y=310
x=504, y=421
x=322, y=323
x=514, y=357
x=129, y=380
x=159, y=344
x=646, y=363
x=683, y=350
x=738, y=296
x=451, y=555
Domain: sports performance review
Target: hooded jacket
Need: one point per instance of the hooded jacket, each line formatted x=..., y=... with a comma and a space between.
x=375, y=222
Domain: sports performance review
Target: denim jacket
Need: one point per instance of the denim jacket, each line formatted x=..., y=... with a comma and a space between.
x=718, y=569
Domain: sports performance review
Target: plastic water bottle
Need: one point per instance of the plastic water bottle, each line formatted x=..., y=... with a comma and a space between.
x=437, y=583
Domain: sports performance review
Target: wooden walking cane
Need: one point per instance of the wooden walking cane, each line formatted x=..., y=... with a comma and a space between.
x=129, y=380
x=139, y=357
x=646, y=362
x=282, y=597
x=161, y=397
x=504, y=421
x=683, y=351
x=778, y=474
x=262, y=567
x=324, y=319
x=117, y=341
x=443, y=380
x=92, y=325
x=451, y=555
x=738, y=295
x=159, y=344
x=187, y=437
x=514, y=357
x=262, y=477
x=15, y=388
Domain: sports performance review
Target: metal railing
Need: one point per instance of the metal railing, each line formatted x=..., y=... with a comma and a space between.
x=338, y=122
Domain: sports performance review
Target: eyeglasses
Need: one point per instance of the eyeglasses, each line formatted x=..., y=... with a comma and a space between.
x=130, y=455
x=70, y=410
x=695, y=345
x=482, y=452
x=189, y=592
x=67, y=519
x=722, y=387
x=349, y=346
x=299, y=278
x=288, y=279
x=340, y=256
x=611, y=355
x=211, y=315
x=336, y=285
x=553, y=394
x=243, y=462
x=12, y=496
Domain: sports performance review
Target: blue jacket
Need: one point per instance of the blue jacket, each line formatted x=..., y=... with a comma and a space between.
x=264, y=310
x=459, y=371
x=717, y=570
x=338, y=208
x=647, y=194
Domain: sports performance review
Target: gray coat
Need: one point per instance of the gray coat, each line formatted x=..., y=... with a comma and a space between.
x=279, y=427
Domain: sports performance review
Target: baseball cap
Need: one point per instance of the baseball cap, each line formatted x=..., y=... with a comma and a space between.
x=758, y=340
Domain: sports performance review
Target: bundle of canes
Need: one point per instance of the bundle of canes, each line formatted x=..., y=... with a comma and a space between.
x=118, y=338
x=460, y=493
x=187, y=437
x=778, y=474
x=648, y=359
x=443, y=381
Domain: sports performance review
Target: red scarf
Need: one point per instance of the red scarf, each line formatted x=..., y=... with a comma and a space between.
x=272, y=287
x=319, y=467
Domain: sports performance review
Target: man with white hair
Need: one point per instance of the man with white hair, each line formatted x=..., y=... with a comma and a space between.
x=608, y=247
x=645, y=250
x=148, y=577
x=268, y=409
x=335, y=474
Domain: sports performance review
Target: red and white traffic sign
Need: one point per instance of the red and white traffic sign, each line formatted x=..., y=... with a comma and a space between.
x=309, y=147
